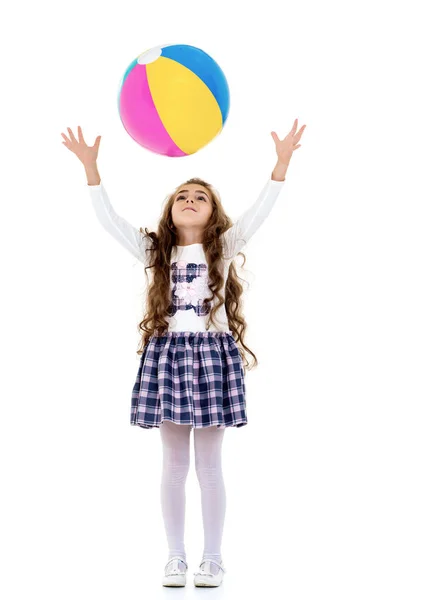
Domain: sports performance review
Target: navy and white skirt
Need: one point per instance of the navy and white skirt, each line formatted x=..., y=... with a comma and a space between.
x=191, y=378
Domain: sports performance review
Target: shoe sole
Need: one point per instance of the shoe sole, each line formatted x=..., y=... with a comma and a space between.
x=206, y=584
x=172, y=583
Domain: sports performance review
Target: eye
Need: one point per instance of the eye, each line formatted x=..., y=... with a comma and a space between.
x=199, y=197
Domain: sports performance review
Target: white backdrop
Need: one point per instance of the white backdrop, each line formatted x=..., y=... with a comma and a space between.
x=327, y=484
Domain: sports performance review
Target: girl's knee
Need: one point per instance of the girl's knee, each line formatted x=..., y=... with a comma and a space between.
x=209, y=477
x=175, y=473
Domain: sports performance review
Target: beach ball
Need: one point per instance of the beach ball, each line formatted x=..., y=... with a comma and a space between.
x=173, y=99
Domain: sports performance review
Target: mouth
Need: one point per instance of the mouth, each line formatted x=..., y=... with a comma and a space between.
x=189, y=208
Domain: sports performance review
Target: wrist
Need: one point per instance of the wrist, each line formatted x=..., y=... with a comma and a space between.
x=90, y=166
x=279, y=171
x=92, y=175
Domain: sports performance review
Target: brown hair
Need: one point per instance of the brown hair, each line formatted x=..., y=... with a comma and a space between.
x=158, y=294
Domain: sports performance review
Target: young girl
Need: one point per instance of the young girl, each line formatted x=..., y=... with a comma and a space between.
x=191, y=371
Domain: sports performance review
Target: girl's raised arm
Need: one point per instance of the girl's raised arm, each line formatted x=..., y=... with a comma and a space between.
x=126, y=234
x=238, y=235
x=247, y=224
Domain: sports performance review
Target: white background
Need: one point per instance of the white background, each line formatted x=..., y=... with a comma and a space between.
x=327, y=484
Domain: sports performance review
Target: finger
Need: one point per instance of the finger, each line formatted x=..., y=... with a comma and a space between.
x=65, y=137
x=293, y=129
x=297, y=147
x=97, y=142
x=80, y=134
x=73, y=139
x=299, y=134
x=275, y=137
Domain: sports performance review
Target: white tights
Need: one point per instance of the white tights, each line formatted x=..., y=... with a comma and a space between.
x=176, y=462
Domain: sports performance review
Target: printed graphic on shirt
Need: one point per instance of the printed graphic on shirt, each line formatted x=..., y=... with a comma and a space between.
x=190, y=287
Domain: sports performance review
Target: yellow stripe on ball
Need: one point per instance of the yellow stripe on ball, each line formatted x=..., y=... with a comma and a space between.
x=186, y=106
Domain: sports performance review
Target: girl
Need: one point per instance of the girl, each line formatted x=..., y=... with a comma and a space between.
x=191, y=371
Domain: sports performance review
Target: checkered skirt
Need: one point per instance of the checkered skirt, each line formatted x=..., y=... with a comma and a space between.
x=191, y=378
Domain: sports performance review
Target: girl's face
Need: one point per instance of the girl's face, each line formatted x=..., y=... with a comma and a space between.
x=192, y=207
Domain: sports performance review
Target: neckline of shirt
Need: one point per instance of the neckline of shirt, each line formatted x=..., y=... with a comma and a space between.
x=188, y=245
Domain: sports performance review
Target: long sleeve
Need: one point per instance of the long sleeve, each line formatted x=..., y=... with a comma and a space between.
x=126, y=234
x=247, y=224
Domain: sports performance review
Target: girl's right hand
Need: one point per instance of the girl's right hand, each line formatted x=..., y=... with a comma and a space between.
x=86, y=154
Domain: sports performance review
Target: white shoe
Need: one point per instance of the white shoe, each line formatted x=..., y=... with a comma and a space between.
x=174, y=577
x=205, y=578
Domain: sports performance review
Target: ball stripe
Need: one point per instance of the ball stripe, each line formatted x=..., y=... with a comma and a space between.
x=204, y=67
x=140, y=115
x=186, y=106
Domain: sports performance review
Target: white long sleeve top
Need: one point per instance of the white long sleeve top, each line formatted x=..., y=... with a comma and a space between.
x=189, y=268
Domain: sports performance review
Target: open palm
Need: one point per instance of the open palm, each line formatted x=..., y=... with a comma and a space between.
x=286, y=147
x=86, y=154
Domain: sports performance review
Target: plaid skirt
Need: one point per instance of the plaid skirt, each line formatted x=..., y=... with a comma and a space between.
x=190, y=378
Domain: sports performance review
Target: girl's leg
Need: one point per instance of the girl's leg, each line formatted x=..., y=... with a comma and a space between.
x=176, y=458
x=208, y=445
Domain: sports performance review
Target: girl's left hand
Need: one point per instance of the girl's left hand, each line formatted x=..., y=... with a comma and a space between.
x=286, y=147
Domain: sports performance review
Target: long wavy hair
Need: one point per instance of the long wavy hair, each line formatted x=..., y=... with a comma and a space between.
x=158, y=300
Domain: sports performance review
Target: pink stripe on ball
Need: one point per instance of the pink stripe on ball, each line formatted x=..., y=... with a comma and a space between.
x=140, y=117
